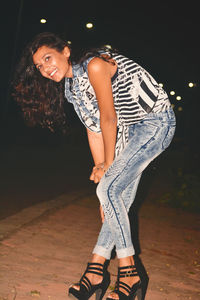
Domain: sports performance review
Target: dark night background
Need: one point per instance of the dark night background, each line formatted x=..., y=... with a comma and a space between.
x=162, y=36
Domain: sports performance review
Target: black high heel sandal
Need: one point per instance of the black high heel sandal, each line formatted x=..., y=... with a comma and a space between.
x=133, y=291
x=86, y=289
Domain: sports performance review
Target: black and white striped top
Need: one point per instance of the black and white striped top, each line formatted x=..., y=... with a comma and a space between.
x=135, y=94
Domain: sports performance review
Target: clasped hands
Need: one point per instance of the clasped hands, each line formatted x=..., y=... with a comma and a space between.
x=98, y=172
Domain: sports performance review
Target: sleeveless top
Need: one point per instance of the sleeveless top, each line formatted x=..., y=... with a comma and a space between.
x=135, y=94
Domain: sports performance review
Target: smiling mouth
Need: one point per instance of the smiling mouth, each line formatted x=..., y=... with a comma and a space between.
x=53, y=72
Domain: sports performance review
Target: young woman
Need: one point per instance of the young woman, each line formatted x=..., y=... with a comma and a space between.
x=129, y=122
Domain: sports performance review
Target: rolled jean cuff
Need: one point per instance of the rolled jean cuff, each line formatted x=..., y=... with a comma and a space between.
x=102, y=252
x=121, y=253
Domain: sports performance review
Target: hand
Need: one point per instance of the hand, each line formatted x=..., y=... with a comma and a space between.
x=101, y=213
x=98, y=172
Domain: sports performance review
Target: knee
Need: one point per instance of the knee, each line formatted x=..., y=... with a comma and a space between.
x=99, y=192
x=102, y=192
x=105, y=193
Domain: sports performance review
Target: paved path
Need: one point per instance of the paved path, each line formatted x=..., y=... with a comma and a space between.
x=46, y=247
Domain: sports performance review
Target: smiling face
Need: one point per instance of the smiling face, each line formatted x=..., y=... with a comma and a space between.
x=53, y=64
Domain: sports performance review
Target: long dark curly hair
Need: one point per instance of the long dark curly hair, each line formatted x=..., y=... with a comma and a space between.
x=42, y=100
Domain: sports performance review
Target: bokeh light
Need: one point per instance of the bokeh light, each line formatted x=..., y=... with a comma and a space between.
x=89, y=25
x=191, y=84
x=43, y=21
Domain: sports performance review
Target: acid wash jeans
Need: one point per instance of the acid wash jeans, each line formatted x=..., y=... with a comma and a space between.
x=117, y=189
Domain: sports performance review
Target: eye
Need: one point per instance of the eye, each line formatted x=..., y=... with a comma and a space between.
x=47, y=58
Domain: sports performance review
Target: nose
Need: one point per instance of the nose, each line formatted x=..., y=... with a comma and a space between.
x=46, y=67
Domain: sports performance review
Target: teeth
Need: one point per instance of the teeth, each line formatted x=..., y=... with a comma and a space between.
x=52, y=73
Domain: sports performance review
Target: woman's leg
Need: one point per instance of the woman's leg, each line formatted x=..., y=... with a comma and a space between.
x=148, y=139
x=105, y=235
x=125, y=169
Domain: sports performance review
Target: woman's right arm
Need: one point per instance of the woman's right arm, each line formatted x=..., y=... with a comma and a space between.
x=96, y=146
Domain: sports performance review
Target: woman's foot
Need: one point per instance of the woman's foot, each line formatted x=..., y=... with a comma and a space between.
x=128, y=280
x=93, y=278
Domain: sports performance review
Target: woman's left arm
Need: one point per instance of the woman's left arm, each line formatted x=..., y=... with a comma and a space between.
x=99, y=73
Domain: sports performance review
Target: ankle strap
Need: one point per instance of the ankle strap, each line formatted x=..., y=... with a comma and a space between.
x=95, y=264
x=95, y=268
x=128, y=273
x=126, y=267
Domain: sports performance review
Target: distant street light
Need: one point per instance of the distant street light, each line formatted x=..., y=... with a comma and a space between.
x=172, y=93
x=191, y=84
x=178, y=98
x=89, y=25
x=43, y=21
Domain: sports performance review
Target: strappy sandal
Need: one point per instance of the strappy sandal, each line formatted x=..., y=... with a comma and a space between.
x=133, y=291
x=86, y=289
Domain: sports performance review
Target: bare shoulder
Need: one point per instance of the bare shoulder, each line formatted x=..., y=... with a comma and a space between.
x=98, y=65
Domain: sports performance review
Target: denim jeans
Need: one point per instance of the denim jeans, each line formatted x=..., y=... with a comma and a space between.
x=117, y=189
